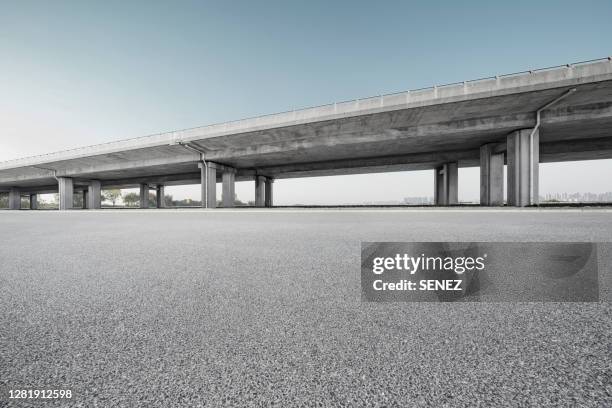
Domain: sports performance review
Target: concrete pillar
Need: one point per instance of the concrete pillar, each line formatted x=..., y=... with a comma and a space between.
x=94, y=195
x=85, y=203
x=260, y=191
x=208, y=182
x=159, y=196
x=269, y=192
x=228, y=179
x=144, y=195
x=446, y=184
x=14, y=199
x=66, y=193
x=523, y=153
x=440, y=185
x=491, y=175
x=33, y=201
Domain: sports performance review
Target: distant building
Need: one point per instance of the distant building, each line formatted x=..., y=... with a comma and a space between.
x=577, y=197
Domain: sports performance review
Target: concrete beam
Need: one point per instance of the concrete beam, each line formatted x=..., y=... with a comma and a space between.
x=138, y=162
x=523, y=156
x=174, y=179
x=416, y=161
x=229, y=194
x=66, y=193
x=144, y=195
x=48, y=189
x=555, y=151
x=160, y=196
x=33, y=201
x=94, y=195
x=14, y=199
x=446, y=185
x=260, y=191
x=491, y=176
x=574, y=150
x=269, y=196
x=344, y=136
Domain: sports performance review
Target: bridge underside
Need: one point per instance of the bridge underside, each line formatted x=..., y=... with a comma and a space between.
x=404, y=136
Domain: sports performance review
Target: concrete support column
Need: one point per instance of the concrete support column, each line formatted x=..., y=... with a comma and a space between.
x=66, y=193
x=94, y=195
x=144, y=195
x=269, y=192
x=33, y=201
x=228, y=179
x=159, y=197
x=260, y=191
x=14, y=199
x=446, y=184
x=523, y=152
x=85, y=203
x=208, y=182
x=491, y=175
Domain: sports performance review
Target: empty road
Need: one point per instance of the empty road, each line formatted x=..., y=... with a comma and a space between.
x=263, y=307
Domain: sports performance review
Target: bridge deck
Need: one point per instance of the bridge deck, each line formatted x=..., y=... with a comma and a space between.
x=409, y=130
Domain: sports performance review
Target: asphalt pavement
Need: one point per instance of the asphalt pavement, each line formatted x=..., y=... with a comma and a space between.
x=263, y=308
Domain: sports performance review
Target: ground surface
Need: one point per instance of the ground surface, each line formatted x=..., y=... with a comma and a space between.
x=180, y=308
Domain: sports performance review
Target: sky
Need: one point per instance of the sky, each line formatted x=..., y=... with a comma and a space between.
x=75, y=73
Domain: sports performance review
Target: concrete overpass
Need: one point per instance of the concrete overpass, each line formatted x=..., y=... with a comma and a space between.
x=547, y=115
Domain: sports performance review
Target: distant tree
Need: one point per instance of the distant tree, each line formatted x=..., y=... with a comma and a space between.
x=130, y=199
x=3, y=200
x=187, y=202
x=47, y=205
x=111, y=195
x=168, y=200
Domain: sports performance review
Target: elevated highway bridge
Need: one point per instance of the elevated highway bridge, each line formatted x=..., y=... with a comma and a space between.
x=520, y=120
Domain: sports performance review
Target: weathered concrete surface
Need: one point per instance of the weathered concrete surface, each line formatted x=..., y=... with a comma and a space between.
x=160, y=201
x=269, y=193
x=446, y=184
x=208, y=184
x=144, y=195
x=14, y=199
x=228, y=185
x=256, y=308
x=420, y=129
x=33, y=201
x=260, y=191
x=66, y=193
x=523, y=167
x=94, y=195
x=491, y=175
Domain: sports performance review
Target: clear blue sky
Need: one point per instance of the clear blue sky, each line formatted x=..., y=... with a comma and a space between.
x=78, y=73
